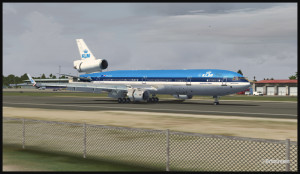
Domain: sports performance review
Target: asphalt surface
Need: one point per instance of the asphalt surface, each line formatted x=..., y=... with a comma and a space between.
x=286, y=110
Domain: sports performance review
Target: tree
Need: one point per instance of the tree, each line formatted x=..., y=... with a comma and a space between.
x=53, y=77
x=4, y=81
x=24, y=77
x=294, y=77
x=240, y=72
x=43, y=76
x=50, y=76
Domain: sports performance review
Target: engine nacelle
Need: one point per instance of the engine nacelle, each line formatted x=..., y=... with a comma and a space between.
x=89, y=66
x=136, y=94
x=183, y=97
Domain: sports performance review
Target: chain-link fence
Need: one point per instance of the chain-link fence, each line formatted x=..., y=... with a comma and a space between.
x=156, y=149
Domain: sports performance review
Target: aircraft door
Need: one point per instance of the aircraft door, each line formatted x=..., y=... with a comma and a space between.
x=144, y=80
x=189, y=81
x=224, y=81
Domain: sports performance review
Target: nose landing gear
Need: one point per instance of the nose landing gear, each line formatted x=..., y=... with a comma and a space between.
x=216, y=100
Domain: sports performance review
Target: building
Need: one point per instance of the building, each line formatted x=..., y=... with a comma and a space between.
x=277, y=87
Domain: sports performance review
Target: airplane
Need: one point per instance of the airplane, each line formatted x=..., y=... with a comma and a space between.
x=144, y=85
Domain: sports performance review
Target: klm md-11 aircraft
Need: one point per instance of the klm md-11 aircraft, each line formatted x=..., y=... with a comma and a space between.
x=143, y=85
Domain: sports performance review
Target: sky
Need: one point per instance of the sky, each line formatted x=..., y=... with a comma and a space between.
x=258, y=38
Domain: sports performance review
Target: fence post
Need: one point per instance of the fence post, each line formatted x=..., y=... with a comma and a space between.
x=84, y=140
x=287, y=155
x=168, y=151
x=23, y=144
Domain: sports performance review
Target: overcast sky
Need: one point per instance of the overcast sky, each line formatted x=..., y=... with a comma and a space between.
x=258, y=38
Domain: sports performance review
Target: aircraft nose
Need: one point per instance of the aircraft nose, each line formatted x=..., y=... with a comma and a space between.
x=248, y=84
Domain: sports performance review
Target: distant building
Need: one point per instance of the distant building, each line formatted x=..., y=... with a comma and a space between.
x=277, y=87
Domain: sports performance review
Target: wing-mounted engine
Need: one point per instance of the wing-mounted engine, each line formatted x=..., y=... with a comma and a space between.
x=183, y=97
x=89, y=66
x=137, y=94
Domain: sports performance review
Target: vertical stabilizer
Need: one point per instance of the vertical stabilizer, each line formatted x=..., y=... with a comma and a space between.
x=84, y=51
x=88, y=62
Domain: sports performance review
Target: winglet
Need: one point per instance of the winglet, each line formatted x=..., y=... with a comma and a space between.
x=31, y=79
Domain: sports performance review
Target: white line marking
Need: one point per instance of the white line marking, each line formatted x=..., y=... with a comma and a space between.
x=155, y=109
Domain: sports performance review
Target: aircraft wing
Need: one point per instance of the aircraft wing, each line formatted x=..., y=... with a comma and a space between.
x=91, y=87
x=94, y=87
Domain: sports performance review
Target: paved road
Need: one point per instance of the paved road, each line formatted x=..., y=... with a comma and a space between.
x=229, y=108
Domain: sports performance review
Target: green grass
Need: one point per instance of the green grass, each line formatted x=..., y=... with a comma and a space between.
x=82, y=94
x=30, y=160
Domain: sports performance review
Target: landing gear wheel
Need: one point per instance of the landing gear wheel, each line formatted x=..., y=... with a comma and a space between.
x=155, y=99
x=216, y=100
x=119, y=100
x=124, y=100
x=128, y=100
x=149, y=100
x=216, y=103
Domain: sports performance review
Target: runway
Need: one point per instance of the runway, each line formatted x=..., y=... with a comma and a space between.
x=286, y=110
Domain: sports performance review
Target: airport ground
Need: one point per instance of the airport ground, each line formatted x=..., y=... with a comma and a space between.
x=235, y=117
x=259, y=119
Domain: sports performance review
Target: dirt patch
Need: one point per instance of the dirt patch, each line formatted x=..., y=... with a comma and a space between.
x=12, y=168
x=221, y=125
x=7, y=167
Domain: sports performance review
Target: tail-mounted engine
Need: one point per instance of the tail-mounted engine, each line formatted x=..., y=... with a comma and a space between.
x=89, y=66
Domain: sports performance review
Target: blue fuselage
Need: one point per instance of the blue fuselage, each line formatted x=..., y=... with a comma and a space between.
x=190, y=82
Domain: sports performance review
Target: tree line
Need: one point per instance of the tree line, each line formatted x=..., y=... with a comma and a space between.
x=292, y=77
x=12, y=79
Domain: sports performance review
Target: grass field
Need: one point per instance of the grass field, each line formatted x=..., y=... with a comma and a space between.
x=82, y=94
x=18, y=159
x=141, y=148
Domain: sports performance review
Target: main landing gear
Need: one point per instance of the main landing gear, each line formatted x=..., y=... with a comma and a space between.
x=123, y=100
x=152, y=99
x=216, y=100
